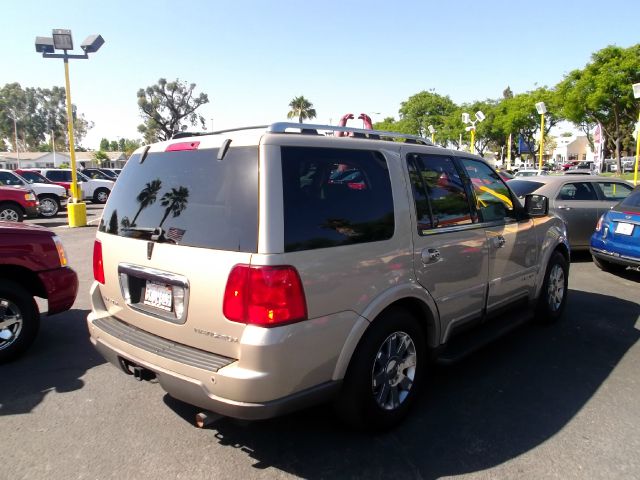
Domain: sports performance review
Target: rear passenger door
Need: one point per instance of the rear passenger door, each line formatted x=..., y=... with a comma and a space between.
x=577, y=204
x=450, y=246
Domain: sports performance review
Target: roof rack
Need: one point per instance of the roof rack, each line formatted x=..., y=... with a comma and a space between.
x=309, y=128
x=282, y=127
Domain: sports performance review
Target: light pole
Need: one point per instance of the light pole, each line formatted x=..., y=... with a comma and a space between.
x=62, y=40
x=636, y=94
x=432, y=131
x=466, y=119
x=542, y=109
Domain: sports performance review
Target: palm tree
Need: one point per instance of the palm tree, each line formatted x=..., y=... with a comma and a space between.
x=147, y=196
x=176, y=201
x=301, y=108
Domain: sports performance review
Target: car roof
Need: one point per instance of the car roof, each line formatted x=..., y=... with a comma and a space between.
x=550, y=179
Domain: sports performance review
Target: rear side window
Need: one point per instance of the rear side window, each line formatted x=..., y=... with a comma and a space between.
x=335, y=197
x=188, y=198
x=614, y=190
x=58, y=175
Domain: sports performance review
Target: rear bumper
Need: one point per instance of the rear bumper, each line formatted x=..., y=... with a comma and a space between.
x=191, y=387
x=625, y=259
x=61, y=287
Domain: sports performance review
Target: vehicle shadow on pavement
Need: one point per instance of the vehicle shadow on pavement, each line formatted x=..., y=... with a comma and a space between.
x=60, y=356
x=502, y=402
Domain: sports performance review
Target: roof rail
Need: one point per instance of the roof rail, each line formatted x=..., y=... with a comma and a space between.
x=282, y=127
x=307, y=128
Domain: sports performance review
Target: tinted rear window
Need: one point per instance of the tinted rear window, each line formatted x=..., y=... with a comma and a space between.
x=196, y=199
x=335, y=197
x=631, y=203
x=524, y=187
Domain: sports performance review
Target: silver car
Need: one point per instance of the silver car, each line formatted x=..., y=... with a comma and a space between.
x=578, y=200
x=251, y=276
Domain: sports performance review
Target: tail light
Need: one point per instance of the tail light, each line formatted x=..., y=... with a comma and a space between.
x=98, y=267
x=264, y=295
x=599, y=224
x=62, y=256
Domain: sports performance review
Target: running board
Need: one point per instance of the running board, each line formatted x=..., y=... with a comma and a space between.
x=470, y=341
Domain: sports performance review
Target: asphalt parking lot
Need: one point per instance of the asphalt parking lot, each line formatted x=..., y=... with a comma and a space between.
x=545, y=402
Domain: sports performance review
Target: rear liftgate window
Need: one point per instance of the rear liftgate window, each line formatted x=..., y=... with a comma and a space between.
x=188, y=198
x=335, y=197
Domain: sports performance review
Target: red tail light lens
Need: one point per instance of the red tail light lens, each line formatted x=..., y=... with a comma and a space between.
x=599, y=224
x=264, y=295
x=98, y=268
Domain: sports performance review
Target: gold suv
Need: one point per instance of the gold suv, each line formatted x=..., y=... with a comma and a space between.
x=262, y=270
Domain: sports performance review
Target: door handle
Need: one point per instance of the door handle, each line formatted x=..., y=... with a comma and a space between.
x=430, y=255
x=500, y=241
x=563, y=207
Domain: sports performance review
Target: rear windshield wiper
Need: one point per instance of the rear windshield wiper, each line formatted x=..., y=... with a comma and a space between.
x=154, y=234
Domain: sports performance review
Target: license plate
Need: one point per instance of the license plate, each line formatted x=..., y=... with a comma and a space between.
x=158, y=296
x=624, y=228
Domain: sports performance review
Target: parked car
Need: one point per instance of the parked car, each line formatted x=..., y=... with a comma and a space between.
x=92, y=189
x=100, y=174
x=579, y=201
x=578, y=171
x=33, y=263
x=17, y=203
x=530, y=172
x=51, y=197
x=233, y=270
x=615, y=243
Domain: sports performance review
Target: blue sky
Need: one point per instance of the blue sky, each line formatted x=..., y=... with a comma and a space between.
x=253, y=57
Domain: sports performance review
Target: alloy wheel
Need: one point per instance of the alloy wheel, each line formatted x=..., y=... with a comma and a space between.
x=393, y=372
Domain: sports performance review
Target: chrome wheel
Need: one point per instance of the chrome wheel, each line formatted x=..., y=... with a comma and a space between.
x=10, y=323
x=555, y=287
x=48, y=207
x=393, y=371
x=9, y=215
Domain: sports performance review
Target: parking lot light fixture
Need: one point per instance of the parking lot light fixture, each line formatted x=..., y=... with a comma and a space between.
x=636, y=94
x=466, y=119
x=432, y=131
x=62, y=39
x=542, y=109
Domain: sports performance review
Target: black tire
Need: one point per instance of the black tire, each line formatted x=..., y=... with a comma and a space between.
x=553, y=296
x=10, y=212
x=101, y=195
x=606, y=266
x=50, y=206
x=367, y=406
x=19, y=307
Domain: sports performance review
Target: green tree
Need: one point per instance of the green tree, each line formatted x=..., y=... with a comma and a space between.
x=121, y=144
x=100, y=157
x=518, y=116
x=301, y=108
x=39, y=114
x=113, y=146
x=104, y=145
x=166, y=106
x=601, y=93
x=424, y=109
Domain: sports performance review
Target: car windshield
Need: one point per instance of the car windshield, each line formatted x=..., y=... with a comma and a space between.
x=185, y=197
x=524, y=187
x=33, y=177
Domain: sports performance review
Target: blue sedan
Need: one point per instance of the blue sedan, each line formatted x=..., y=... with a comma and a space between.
x=616, y=241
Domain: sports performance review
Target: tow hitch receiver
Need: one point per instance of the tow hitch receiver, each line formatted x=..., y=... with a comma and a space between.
x=138, y=372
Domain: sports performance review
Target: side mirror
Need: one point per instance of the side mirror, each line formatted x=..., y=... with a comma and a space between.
x=536, y=205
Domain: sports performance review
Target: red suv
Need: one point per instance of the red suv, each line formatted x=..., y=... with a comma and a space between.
x=32, y=263
x=17, y=202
